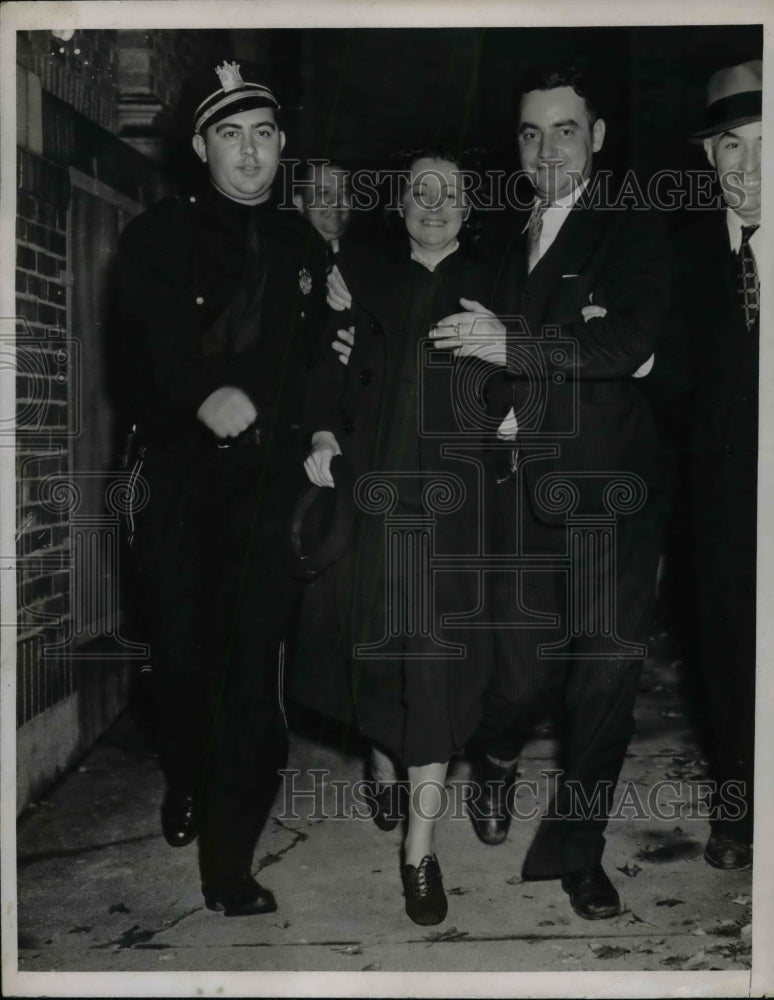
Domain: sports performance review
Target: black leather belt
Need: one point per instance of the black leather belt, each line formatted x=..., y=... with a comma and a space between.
x=250, y=437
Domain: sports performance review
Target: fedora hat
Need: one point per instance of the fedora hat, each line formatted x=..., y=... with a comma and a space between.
x=321, y=524
x=734, y=97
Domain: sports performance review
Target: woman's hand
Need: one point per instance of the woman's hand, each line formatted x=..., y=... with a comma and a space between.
x=475, y=332
x=344, y=344
x=338, y=296
x=593, y=312
x=318, y=462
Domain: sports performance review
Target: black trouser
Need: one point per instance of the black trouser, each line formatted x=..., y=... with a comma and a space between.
x=210, y=550
x=594, y=693
x=725, y=664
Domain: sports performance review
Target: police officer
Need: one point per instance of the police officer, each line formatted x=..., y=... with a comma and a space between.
x=220, y=293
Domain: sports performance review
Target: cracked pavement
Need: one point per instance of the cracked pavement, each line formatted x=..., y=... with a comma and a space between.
x=99, y=889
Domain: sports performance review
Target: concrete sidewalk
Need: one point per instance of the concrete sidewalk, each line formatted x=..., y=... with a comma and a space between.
x=99, y=889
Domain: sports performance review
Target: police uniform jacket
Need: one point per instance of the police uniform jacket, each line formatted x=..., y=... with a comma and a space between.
x=182, y=264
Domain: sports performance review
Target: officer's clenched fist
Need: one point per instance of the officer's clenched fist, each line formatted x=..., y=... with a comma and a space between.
x=227, y=412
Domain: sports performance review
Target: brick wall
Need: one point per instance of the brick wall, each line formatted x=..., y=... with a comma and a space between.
x=43, y=420
x=82, y=71
x=155, y=64
x=77, y=183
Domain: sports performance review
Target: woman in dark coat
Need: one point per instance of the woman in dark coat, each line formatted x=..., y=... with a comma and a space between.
x=410, y=421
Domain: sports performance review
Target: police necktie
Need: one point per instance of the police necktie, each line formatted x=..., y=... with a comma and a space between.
x=749, y=286
x=247, y=328
x=534, y=231
x=238, y=327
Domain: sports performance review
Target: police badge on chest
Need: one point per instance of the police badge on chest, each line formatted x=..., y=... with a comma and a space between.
x=304, y=281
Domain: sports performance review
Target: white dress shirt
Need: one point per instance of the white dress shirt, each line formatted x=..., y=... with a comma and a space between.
x=734, y=224
x=555, y=217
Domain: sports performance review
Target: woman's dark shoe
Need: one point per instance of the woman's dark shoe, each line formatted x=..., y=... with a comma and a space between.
x=178, y=817
x=592, y=895
x=423, y=889
x=244, y=899
x=386, y=803
x=727, y=854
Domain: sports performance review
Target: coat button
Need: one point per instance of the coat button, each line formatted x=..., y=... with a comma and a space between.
x=199, y=300
x=366, y=376
x=348, y=425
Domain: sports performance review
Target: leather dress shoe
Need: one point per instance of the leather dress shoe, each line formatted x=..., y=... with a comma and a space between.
x=386, y=803
x=178, y=817
x=244, y=899
x=592, y=895
x=728, y=854
x=491, y=811
x=423, y=888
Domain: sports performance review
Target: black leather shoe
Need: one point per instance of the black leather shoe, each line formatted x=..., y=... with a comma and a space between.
x=728, y=854
x=592, y=895
x=178, y=817
x=386, y=804
x=423, y=889
x=245, y=899
x=491, y=806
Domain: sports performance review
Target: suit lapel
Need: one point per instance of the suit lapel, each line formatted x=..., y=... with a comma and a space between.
x=570, y=254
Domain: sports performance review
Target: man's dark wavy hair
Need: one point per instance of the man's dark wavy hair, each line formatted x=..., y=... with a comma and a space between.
x=548, y=76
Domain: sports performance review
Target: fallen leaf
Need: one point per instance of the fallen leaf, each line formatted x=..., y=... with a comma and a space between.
x=373, y=967
x=608, y=951
x=675, y=961
x=670, y=902
x=742, y=900
x=350, y=949
x=726, y=928
x=514, y=880
x=117, y=908
x=631, y=871
x=452, y=934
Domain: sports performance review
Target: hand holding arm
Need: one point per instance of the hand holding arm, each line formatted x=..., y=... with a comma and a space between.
x=474, y=332
x=318, y=461
x=338, y=296
x=345, y=340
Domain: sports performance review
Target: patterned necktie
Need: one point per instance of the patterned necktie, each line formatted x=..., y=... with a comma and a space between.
x=749, y=286
x=534, y=231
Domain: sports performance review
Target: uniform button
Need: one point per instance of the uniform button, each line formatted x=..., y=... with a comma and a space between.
x=192, y=199
x=366, y=376
x=303, y=314
x=348, y=425
x=199, y=300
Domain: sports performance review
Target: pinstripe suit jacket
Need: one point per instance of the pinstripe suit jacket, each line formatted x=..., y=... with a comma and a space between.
x=581, y=415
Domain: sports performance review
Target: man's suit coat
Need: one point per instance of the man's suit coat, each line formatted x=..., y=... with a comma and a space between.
x=580, y=397
x=721, y=356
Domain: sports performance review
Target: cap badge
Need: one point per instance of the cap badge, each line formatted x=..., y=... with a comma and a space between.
x=304, y=281
x=229, y=76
